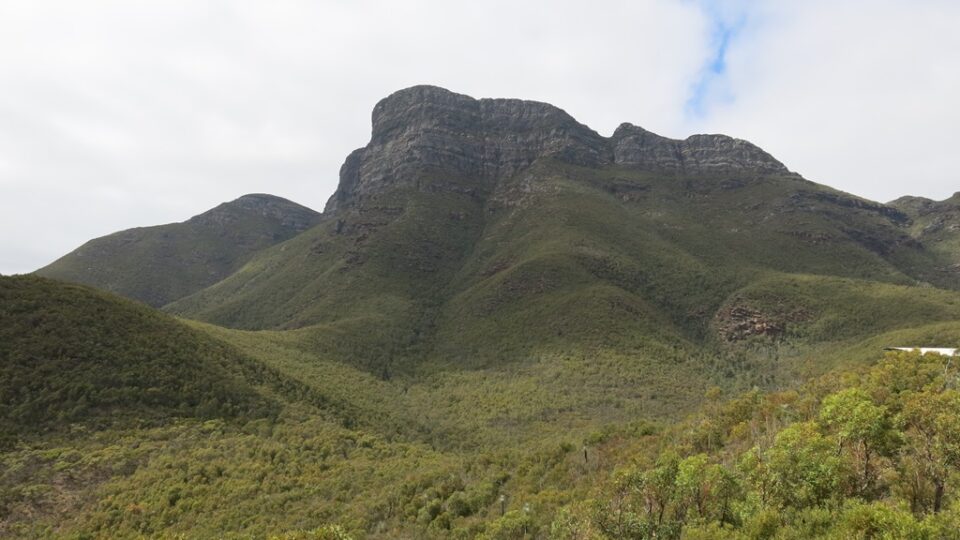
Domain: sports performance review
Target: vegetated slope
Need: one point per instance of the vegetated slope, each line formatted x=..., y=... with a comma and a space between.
x=936, y=224
x=70, y=354
x=497, y=302
x=157, y=265
x=119, y=421
x=486, y=231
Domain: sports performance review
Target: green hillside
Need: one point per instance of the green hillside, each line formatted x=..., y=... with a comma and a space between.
x=69, y=354
x=574, y=267
x=159, y=264
x=120, y=422
x=937, y=225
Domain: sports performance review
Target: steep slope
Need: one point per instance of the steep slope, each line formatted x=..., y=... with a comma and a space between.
x=157, y=265
x=488, y=230
x=71, y=354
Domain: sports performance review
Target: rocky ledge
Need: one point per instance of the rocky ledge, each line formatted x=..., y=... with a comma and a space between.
x=426, y=128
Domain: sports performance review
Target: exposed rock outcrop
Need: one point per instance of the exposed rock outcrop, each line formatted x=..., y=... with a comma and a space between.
x=739, y=321
x=698, y=154
x=427, y=129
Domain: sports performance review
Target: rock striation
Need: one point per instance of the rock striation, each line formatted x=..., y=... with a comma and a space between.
x=696, y=155
x=426, y=128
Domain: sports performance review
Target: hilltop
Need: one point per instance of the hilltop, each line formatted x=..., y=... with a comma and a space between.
x=160, y=264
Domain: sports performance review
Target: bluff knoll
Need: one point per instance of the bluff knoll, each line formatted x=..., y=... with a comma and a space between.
x=487, y=230
x=427, y=127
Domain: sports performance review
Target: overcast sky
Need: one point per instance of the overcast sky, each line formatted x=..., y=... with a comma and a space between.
x=115, y=114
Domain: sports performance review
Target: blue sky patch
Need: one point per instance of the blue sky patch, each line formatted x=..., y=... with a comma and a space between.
x=725, y=29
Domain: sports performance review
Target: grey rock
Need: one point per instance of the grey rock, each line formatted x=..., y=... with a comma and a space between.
x=697, y=155
x=425, y=129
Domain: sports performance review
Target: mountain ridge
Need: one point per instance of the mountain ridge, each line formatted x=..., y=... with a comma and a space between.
x=495, y=138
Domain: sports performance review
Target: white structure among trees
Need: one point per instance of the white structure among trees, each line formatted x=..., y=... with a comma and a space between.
x=924, y=350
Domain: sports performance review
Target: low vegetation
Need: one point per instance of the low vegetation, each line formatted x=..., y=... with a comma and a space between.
x=872, y=453
x=582, y=353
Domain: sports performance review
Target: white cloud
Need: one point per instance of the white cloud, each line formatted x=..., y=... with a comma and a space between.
x=116, y=114
x=859, y=95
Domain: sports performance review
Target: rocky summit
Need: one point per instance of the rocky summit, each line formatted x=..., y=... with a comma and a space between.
x=426, y=128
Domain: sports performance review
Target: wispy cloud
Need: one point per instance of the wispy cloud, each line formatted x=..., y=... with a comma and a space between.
x=855, y=94
x=727, y=20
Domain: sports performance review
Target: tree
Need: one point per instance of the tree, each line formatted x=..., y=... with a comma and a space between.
x=800, y=469
x=932, y=426
x=705, y=488
x=862, y=428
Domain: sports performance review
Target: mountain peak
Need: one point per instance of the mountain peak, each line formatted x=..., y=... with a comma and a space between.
x=420, y=107
x=424, y=108
x=286, y=213
x=426, y=129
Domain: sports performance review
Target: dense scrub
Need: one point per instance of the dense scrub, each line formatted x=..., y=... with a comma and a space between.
x=134, y=424
x=869, y=454
x=70, y=354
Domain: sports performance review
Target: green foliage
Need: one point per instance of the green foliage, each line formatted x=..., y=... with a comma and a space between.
x=858, y=520
x=874, y=457
x=70, y=354
x=863, y=428
x=514, y=525
x=327, y=532
x=801, y=469
x=423, y=353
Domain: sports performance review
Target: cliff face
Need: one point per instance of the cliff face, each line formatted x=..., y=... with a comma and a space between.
x=698, y=154
x=425, y=128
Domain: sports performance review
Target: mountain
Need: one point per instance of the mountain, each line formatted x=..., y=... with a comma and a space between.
x=485, y=231
x=160, y=264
